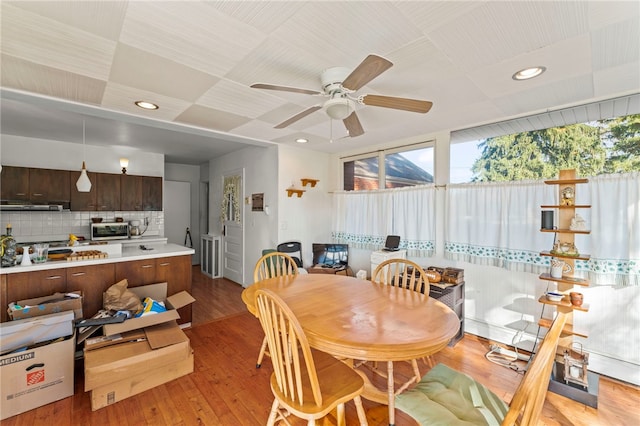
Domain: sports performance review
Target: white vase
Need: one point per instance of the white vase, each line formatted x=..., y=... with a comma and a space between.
x=26, y=257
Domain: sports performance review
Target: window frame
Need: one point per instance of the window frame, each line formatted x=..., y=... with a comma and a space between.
x=382, y=153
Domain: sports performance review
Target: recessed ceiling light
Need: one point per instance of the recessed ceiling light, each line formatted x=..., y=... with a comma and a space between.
x=302, y=140
x=146, y=105
x=528, y=73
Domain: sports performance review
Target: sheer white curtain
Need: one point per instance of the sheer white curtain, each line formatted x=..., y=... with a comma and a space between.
x=615, y=230
x=498, y=224
x=363, y=219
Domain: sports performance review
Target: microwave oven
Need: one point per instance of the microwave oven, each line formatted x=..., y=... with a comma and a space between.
x=109, y=231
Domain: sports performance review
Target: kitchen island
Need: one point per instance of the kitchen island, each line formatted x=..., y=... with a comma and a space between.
x=170, y=263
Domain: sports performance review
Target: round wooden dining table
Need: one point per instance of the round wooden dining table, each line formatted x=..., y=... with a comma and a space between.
x=356, y=319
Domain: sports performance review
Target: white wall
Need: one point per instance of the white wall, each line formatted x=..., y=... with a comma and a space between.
x=191, y=174
x=306, y=219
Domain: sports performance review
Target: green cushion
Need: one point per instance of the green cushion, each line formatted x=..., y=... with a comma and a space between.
x=449, y=398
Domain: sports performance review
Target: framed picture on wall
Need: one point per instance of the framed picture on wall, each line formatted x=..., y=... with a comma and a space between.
x=257, y=202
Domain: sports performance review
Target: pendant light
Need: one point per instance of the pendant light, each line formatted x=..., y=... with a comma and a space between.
x=83, y=184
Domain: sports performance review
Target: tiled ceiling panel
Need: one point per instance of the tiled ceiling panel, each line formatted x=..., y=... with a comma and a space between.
x=48, y=42
x=147, y=71
x=189, y=33
x=25, y=75
x=102, y=18
x=197, y=59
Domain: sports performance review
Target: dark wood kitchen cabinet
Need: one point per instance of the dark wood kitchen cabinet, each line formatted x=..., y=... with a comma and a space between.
x=49, y=186
x=130, y=193
x=92, y=281
x=108, y=191
x=14, y=182
x=151, y=193
x=29, y=285
x=38, y=186
x=83, y=201
x=174, y=270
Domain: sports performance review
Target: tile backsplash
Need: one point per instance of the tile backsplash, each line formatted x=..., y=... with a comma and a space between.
x=53, y=226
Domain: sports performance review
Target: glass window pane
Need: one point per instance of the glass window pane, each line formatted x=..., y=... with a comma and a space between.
x=409, y=168
x=361, y=174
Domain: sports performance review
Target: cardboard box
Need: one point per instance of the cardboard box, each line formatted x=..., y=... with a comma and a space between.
x=156, y=292
x=127, y=367
x=37, y=376
x=47, y=305
x=133, y=385
x=28, y=332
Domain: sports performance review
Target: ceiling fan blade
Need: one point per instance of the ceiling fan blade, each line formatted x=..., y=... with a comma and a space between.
x=370, y=68
x=284, y=89
x=297, y=117
x=405, y=104
x=352, y=123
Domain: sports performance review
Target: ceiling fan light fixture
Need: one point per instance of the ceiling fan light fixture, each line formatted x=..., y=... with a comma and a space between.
x=527, y=73
x=339, y=108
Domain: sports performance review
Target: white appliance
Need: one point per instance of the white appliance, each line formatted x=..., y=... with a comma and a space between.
x=379, y=256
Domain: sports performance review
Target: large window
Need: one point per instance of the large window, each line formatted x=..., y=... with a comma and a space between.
x=401, y=167
x=592, y=148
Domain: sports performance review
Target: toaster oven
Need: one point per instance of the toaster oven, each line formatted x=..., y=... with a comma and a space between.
x=109, y=231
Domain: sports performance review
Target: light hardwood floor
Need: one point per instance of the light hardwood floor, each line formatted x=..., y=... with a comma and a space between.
x=227, y=389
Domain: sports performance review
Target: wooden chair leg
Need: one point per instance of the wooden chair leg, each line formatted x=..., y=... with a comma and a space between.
x=263, y=350
x=362, y=416
x=340, y=415
x=416, y=370
x=273, y=414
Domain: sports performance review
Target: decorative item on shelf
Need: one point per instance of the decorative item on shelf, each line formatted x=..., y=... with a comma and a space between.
x=575, y=366
x=568, y=196
x=559, y=268
x=309, y=181
x=576, y=298
x=554, y=296
x=546, y=219
x=578, y=223
x=565, y=249
x=124, y=163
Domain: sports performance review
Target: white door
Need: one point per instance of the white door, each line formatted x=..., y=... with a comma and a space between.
x=177, y=211
x=233, y=237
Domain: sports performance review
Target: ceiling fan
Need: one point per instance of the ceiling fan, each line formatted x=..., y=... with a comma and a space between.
x=340, y=85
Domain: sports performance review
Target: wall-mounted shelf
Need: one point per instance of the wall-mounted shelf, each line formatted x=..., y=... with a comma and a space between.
x=565, y=181
x=566, y=231
x=565, y=279
x=309, y=181
x=565, y=303
x=579, y=257
x=298, y=192
x=567, y=329
x=581, y=206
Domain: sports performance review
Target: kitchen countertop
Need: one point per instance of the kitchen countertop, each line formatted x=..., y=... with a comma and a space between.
x=127, y=253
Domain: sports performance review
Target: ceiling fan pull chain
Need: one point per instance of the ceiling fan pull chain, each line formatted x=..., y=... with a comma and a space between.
x=330, y=130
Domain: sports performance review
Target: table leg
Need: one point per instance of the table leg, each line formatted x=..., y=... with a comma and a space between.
x=391, y=394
